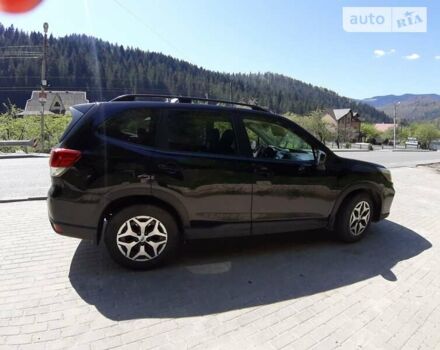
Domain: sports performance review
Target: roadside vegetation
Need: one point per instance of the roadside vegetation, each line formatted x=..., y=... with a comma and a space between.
x=424, y=132
x=13, y=127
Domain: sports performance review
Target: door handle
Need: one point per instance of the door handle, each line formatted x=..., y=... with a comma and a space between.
x=303, y=169
x=169, y=168
x=263, y=171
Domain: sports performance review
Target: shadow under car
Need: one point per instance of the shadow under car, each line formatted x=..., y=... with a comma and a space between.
x=213, y=276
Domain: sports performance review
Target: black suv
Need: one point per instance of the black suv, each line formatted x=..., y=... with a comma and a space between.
x=143, y=172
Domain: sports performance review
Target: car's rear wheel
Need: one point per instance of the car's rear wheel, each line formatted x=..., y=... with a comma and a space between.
x=142, y=237
x=354, y=218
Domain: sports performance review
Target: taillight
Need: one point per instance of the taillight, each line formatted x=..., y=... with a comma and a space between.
x=62, y=159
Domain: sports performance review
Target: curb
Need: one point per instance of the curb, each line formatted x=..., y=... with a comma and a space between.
x=350, y=150
x=25, y=155
x=22, y=199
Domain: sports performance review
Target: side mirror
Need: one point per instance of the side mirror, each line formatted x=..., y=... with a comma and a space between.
x=322, y=157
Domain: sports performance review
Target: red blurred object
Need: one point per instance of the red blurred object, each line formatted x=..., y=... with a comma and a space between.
x=18, y=6
x=63, y=157
x=57, y=228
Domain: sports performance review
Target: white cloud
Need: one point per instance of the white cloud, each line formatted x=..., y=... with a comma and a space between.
x=412, y=57
x=437, y=57
x=380, y=53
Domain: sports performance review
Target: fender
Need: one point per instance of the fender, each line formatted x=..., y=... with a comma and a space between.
x=368, y=186
x=140, y=194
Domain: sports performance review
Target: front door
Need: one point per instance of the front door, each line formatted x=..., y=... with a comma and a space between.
x=199, y=167
x=290, y=192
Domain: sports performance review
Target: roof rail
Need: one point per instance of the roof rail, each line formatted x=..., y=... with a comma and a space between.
x=185, y=99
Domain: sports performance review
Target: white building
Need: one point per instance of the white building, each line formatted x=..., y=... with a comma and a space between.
x=58, y=102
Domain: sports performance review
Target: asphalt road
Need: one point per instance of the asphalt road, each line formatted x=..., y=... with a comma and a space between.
x=22, y=178
x=394, y=159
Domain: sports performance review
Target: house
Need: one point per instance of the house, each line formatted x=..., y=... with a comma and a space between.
x=345, y=123
x=57, y=102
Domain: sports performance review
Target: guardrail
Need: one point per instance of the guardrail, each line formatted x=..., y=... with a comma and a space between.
x=19, y=143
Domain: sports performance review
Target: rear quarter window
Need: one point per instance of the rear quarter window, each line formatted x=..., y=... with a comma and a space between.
x=77, y=113
x=136, y=126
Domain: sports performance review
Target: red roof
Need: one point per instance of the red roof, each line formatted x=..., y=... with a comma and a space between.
x=383, y=126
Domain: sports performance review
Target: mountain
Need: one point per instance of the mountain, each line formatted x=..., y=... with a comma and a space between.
x=411, y=107
x=105, y=70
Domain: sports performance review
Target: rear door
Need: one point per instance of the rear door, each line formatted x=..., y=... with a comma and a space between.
x=199, y=168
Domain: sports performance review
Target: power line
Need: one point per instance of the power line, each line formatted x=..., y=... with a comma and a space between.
x=141, y=21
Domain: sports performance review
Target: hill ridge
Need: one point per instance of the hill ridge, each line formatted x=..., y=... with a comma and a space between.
x=105, y=70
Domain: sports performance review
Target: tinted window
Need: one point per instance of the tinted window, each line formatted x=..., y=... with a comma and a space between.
x=77, y=113
x=133, y=125
x=269, y=139
x=193, y=131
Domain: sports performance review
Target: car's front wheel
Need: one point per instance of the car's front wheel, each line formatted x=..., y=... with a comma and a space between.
x=142, y=236
x=354, y=218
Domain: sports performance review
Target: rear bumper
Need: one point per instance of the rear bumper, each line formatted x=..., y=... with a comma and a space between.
x=72, y=217
x=76, y=231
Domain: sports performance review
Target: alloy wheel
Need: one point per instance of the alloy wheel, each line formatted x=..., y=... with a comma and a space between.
x=360, y=217
x=141, y=238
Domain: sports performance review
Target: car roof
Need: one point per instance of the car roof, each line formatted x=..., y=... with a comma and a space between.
x=119, y=105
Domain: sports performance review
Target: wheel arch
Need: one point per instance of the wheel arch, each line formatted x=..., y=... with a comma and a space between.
x=117, y=204
x=371, y=189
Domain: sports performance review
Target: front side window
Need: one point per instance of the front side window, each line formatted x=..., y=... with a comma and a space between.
x=133, y=125
x=271, y=140
x=195, y=131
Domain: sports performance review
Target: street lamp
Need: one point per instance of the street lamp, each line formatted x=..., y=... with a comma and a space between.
x=42, y=94
x=394, y=129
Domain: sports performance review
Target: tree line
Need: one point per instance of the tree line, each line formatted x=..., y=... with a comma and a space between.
x=105, y=70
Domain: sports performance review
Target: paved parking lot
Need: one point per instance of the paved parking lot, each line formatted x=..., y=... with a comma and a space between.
x=294, y=291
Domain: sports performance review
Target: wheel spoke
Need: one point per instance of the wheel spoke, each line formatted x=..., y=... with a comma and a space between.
x=155, y=246
x=142, y=224
x=352, y=218
x=128, y=233
x=128, y=246
x=156, y=231
x=142, y=253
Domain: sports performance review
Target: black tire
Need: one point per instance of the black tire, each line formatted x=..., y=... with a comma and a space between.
x=165, y=251
x=348, y=231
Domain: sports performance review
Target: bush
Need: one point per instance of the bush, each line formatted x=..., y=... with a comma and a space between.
x=347, y=145
x=28, y=128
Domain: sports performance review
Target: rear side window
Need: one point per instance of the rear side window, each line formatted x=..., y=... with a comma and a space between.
x=133, y=125
x=77, y=112
x=200, y=131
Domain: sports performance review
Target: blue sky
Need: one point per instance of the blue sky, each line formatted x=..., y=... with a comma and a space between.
x=303, y=39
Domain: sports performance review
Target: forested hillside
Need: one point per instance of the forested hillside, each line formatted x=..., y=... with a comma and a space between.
x=411, y=107
x=104, y=70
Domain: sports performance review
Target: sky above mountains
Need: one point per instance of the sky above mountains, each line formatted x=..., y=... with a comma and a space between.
x=302, y=39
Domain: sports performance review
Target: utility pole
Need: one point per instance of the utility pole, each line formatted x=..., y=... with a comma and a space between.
x=394, y=129
x=230, y=90
x=43, y=96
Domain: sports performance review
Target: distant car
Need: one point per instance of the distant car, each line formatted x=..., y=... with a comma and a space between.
x=412, y=142
x=143, y=175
